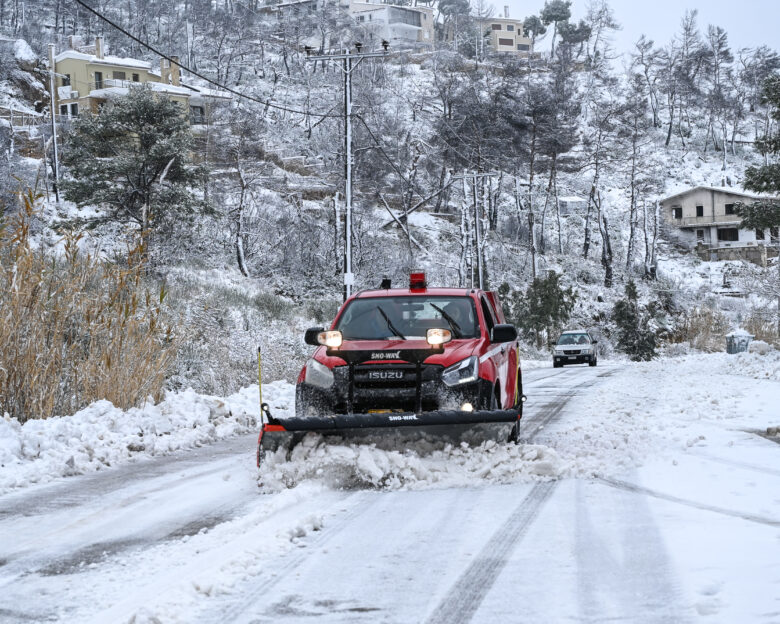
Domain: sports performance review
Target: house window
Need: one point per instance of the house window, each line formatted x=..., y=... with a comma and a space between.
x=506, y=42
x=197, y=115
x=74, y=110
x=699, y=211
x=64, y=110
x=773, y=233
x=677, y=212
x=729, y=209
x=98, y=80
x=523, y=47
x=759, y=234
x=510, y=27
x=119, y=75
x=728, y=234
x=700, y=235
x=66, y=80
x=136, y=78
x=361, y=18
x=496, y=26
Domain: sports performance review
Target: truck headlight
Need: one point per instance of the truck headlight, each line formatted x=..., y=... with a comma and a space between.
x=464, y=371
x=318, y=374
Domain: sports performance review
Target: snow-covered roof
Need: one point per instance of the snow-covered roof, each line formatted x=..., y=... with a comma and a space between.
x=719, y=189
x=209, y=93
x=106, y=60
x=571, y=198
x=115, y=91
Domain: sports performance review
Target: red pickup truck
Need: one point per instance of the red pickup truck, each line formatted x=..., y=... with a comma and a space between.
x=434, y=361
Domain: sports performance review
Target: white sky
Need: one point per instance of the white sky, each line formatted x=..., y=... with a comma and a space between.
x=749, y=23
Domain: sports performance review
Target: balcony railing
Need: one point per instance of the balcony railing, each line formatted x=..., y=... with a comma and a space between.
x=707, y=220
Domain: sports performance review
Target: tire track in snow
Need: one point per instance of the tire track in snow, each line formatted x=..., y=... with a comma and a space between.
x=464, y=598
x=736, y=463
x=236, y=611
x=638, y=489
x=550, y=411
x=77, y=490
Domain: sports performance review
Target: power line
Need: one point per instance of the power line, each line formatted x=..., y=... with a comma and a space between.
x=194, y=73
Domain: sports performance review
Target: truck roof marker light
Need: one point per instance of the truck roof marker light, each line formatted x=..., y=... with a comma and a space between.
x=417, y=280
x=436, y=336
x=331, y=339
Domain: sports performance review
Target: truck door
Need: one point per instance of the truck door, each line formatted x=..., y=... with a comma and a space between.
x=499, y=354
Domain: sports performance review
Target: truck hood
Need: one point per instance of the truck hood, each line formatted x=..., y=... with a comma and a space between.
x=454, y=351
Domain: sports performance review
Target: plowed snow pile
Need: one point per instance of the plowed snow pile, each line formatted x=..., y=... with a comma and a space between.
x=356, y=466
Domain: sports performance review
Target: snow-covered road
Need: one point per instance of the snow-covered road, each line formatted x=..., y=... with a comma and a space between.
x=642, y=493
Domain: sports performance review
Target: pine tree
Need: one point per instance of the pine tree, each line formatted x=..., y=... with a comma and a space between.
x=132, y=161
x=634, y=336
x=546, y=306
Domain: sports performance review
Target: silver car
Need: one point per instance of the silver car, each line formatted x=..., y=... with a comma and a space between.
x=576, y=346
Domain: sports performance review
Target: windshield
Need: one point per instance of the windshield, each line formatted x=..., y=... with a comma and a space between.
x=407, y=318
x=574, y=339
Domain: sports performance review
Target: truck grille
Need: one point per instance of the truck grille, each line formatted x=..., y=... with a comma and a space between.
x=572, y=352
x=394, y=376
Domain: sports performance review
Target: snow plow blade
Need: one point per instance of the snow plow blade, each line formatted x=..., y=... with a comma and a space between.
x=446, y=425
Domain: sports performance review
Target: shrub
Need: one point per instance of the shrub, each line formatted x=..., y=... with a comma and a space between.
x=634, y=336
x=74, y=328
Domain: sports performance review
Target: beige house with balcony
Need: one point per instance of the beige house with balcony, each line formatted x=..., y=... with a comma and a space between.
x=86, y=77
x=704, y=218
x=506, y=35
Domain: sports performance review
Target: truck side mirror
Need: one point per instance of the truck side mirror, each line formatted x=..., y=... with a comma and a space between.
x=310, y=337
x=503, y=333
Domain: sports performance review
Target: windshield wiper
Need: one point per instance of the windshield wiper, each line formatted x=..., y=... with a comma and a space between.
x=453, y=323
x=390, y=325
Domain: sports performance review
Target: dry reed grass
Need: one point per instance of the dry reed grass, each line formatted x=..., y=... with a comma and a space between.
x=75, y=329
x=704, y=329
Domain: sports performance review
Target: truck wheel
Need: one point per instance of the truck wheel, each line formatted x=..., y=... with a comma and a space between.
x=557, y=364
x=593, y=361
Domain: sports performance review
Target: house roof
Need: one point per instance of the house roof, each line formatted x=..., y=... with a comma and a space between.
x=106, y=60
x=719, y=189
x=109, y=91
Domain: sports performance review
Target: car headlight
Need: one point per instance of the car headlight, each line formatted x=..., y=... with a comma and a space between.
x=464, y=371
x=318, y=374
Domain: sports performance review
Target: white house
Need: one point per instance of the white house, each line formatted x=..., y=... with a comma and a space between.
x=704, y=218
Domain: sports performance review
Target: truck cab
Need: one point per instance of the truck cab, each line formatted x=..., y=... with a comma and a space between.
x=477, y=368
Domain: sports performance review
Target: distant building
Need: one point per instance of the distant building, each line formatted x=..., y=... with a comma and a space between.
x=571, y=204
x=86, y=77
x=506, y=35
x=401, y=26
x=704, y=218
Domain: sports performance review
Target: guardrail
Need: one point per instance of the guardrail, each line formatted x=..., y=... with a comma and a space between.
x=19, y=118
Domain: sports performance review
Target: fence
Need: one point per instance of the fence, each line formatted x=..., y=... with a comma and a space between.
x=20, y=118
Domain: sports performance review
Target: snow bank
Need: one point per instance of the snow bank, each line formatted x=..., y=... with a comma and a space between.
x=102, y=435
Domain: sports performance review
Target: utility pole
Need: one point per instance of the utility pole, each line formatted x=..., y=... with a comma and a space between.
x=474, y=176
x=52, y=106
x=348, y=58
